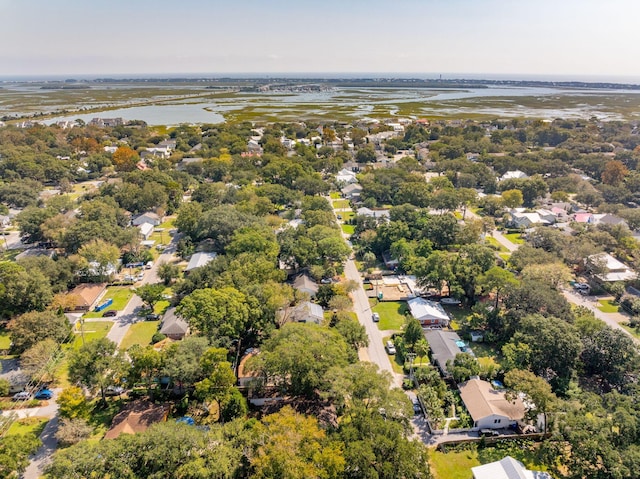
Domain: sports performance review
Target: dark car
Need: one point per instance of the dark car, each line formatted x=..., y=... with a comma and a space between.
x=489, y=432
x=110, y=313
x=152, y=317
x=417, y=410
x=44, y=394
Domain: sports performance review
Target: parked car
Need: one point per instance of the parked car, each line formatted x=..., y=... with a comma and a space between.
x=339, y=217
x=152, y=317
x=489, y=432
x=149, y=265
x=391, y=349
x=375, y=317
x=417, y=409
x=450, y=301
x=113, y=391
x=22, y=396
x=110, y=313
x=44, y=394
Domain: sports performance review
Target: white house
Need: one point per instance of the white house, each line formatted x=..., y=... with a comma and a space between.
x=513, y=175
x=526, y=220
x=364, y=211
x=507, y=468
x=613, y=270
x=346, y=176
x=146, y=229
x=428, y=313
x=489, y=408
x=149, y=217
x=305, y=312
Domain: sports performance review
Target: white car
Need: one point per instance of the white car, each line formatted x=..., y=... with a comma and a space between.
x=389, y=346
x=450, y=301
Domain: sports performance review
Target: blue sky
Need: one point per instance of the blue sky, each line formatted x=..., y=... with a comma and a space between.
x=541, y=37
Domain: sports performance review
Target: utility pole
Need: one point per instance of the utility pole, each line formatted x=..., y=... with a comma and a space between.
x=411, y=357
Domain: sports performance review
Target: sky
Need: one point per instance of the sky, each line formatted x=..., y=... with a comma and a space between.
x=541, y=38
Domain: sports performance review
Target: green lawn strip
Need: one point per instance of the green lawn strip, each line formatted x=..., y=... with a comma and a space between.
x=453, y=464
x=348, y=229
x=139, y=333
x=120, y=295
x=394, y=359
x=161, y=306
x=494, y=242
x=346, y=215
x=28, y=425
x=392, y=314
x=335, y=195
x=339, y=204
x=515, y=238
x=5, y=340
x=505, y=256
x=635, y=332
x=608, y=306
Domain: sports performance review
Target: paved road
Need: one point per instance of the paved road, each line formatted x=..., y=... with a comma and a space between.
x=375, y=352
x=591, y=303
x=129, y=315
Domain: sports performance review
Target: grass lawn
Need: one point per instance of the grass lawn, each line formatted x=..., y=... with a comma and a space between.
x=120, y=295
x=608, y=306
x=347, y=215
x=349, y=229
x=9, y=254
x=139, y=333
x=28, y=425
x=341, y=204
x=161, y=306
x=494, y=242
x=391, y=314
x=505, y=256
x=458, y=313
x=92, y=330
x=633, y=331
x=453, y=464
x=335, y=195
x=515, y=238
x=5, y=339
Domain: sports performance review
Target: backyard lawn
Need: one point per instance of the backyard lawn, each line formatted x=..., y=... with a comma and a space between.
x=608, y=306
x=120, y=295
x=139, y=333
x=347, y=215
x=515, y=238
x=392, y=314
x=335, y=195
x=453, y=464
x=349, y=229
x=5, y=340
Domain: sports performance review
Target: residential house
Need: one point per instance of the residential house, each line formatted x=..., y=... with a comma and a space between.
x=513, y=175
x=173, y=326
x=379, y=214
x=168, y=144
x=352, y=191
x=305, y=312
x=86, y=295
x=110, y=149
x=547, y=215
x=526, y=220
x=607, y=219
x=444, y=345
x=488, y=407
x=136, y=417
x=389, y=261
x=199, y=260
x=583, y=217
x=146, y=230
x=428, y=313
x=346, y=176
x=304, y=284
x=156, y=152
x=506, y=468
x=107, y=122
x=148, y=217
x=607, y=269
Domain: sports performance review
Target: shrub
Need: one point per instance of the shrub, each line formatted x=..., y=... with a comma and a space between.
x=157, y=337
x=4, y=387
x=72, y=431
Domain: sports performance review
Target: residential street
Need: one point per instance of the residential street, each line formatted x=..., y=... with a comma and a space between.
x=129, y=315
x=375, y=352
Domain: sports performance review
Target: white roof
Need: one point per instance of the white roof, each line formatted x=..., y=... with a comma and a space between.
x=200, y=259
x=422, y=309
x=617, y=270
x=515, y=174
x=146, y=228
x=506, y=468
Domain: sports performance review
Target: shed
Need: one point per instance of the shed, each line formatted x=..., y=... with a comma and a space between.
x=146, y=230
x=305, y=312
